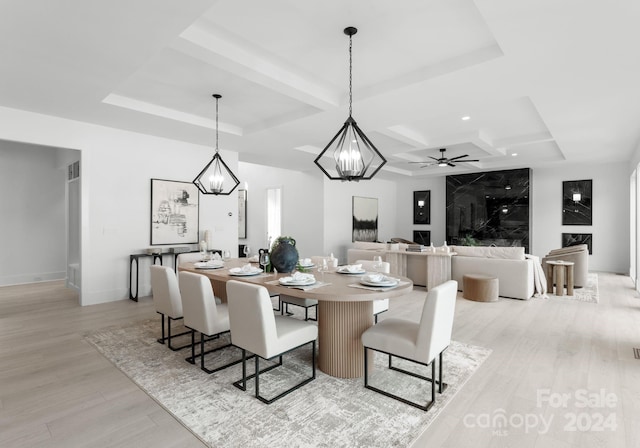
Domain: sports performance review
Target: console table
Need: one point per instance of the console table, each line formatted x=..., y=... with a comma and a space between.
x=428, y=269
x=136, y=257
x=156, y=257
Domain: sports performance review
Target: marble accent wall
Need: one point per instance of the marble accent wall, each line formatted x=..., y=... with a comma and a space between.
x=489, y=208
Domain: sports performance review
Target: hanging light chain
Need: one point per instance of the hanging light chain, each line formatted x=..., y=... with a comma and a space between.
x=350, y=74
x=217, y=99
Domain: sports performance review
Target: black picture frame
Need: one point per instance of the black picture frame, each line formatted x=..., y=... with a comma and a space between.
x=422, y=207
x=364, y=219
x=573, y=239
x=422, y=237
x=175, y=212
x=577, y=203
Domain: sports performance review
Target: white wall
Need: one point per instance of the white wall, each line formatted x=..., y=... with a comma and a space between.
x=302, y=211
x=338, y=212
x=316, y=211
x=404, y=218
x=115, y=186
x=610, y=227
x=33, y=224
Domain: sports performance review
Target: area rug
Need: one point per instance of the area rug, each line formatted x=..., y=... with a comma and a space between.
x=327, y=412
x=588, y=293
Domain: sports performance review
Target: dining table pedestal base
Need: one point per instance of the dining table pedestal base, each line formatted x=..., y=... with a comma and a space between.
x=341, y=353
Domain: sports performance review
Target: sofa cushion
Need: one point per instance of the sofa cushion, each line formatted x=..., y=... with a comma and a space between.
x=570, y=249
x=506, y=253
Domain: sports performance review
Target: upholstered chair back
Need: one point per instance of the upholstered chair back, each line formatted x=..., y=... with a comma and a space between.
x=201, y=312
x=436, y=323
x=253, y=325
x=166, y=295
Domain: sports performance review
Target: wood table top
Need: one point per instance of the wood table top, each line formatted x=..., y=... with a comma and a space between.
x=337, y=287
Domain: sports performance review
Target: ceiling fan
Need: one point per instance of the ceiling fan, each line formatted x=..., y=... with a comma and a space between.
x=444, y=161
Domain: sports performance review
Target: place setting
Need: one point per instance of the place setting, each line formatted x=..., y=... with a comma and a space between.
x=213, y=261
x=245, y=271
x=300, y=280
x=374, y=281
x=351, y=269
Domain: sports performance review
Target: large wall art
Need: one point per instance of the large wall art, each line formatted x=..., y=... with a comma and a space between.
x=174, y=212
x=577, y=203
x=489, y=208
x=365, y=219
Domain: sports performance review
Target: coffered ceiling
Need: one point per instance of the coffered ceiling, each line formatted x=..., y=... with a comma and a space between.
x=542, y=81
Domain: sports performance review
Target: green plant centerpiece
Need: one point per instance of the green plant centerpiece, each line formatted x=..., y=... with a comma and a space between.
x=284, y=254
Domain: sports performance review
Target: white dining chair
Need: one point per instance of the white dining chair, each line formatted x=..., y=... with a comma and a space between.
x=167, y=301
x=420, y=342
x=256, y=329
x=379, y=305
x=204, y=315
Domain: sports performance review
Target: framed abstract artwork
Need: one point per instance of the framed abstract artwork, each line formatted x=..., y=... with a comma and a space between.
x=422, y=207
x=175, y=212
x=577, y=203
x=242, y=214
x=365, y=219
x=422, y=237
x=573, y=239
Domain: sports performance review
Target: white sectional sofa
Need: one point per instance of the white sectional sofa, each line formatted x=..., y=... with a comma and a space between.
x=514, y=270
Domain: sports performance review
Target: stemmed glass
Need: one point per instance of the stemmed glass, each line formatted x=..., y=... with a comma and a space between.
x=247, y=250
x=226, y=254
x=264, y=261
x=377, y=263
x=324, y=267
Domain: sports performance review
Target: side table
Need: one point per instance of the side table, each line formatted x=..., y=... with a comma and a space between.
x=560, y=273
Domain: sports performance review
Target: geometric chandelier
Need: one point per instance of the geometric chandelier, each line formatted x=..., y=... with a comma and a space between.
x=216, y=178
x=350, y=155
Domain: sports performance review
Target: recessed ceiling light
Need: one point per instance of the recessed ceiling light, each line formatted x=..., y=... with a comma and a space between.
x=466, y=117
x=514, y=154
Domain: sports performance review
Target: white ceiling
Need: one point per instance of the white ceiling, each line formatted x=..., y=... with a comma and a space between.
x=553, y=81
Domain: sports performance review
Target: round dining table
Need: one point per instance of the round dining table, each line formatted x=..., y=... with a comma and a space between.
x=345, y=309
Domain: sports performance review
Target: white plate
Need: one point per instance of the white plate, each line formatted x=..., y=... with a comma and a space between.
x=208, y=265
x=349, y=272
x=393, y=282
x=307, y=265
x=298, y=283
x=245, y=274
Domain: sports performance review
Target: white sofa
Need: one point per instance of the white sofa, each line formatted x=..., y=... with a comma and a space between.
x=514, y=270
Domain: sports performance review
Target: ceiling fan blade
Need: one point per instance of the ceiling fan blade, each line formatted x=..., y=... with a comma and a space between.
x=459, y=157
x=450, y=164
x=470, y=160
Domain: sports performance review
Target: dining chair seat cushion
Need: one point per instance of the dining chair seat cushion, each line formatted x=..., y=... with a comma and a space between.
x=255, y=327
x=291, y=333
x=397, y=336
x=380, y=305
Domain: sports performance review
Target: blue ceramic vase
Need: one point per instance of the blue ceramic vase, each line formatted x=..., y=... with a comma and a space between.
x=284, y=255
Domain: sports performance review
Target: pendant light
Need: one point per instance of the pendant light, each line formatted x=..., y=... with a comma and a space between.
x=352, y=155
x=216, y=176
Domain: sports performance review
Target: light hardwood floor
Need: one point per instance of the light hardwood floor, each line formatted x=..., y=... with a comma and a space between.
x=57, y=391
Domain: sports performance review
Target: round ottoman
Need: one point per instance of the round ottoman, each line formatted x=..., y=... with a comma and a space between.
x=481, y=288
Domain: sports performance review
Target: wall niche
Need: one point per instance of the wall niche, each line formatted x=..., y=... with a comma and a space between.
x=490, y=208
